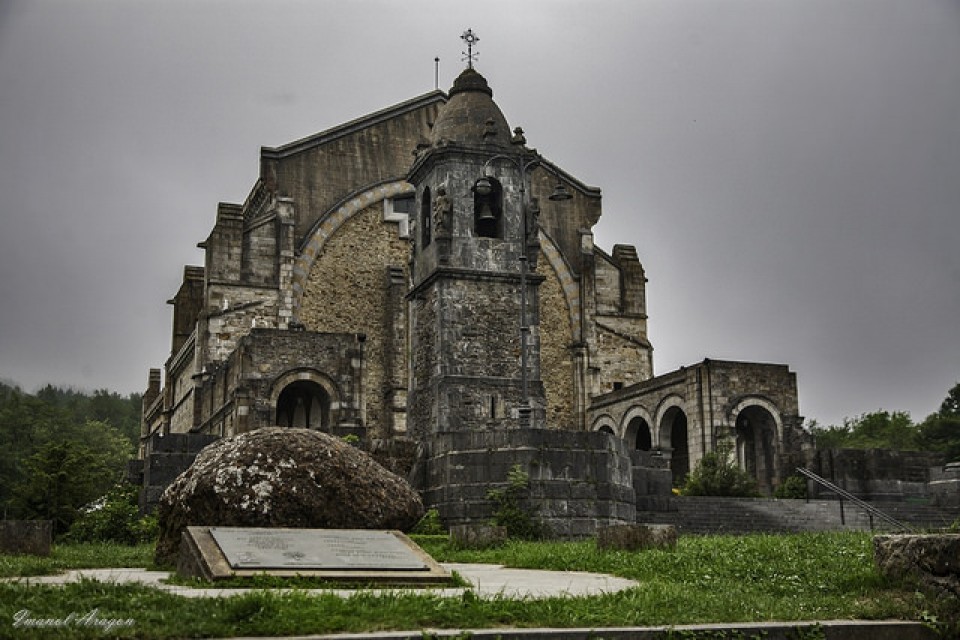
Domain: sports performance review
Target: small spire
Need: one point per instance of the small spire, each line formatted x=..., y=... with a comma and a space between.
x=471, y=39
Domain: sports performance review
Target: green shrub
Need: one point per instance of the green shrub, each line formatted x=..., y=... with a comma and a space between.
x=429, y=524
x=715, y=475
x=510, y=513
x=114, y=518
x=794, y=487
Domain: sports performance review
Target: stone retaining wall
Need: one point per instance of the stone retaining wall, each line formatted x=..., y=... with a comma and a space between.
x=577, y=480
x=764, y=515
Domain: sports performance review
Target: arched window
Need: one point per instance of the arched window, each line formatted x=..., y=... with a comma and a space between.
x=488, y=208
x=426, y=222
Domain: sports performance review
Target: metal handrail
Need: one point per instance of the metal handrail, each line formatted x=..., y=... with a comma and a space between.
x=844, y=494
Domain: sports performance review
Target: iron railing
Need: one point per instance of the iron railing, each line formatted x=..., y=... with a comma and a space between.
x=843, y=494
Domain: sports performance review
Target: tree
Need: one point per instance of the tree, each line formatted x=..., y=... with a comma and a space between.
x=53, y=457
x=941, y=430
x=64, y=475
x=950, y=408
x=877, y=430
x=60, y=478
x=942, y=433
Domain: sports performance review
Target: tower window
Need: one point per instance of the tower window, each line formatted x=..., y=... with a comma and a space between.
x=488, y=208
x=426, y=221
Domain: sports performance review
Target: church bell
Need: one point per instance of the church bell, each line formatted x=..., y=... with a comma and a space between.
x=486, y=215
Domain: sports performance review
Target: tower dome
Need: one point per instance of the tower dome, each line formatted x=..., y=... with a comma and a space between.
x=471, y=117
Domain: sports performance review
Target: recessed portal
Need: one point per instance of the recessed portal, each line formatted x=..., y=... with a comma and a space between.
x=304, y=404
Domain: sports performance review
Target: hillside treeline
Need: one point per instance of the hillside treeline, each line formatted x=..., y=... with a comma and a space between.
x=938, y=432
x=60, y=449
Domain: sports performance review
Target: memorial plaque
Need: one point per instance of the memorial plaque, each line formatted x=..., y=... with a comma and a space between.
x=315, y=549
x=339, y=555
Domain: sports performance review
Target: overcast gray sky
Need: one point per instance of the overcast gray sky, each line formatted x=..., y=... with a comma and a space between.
x=789, y=170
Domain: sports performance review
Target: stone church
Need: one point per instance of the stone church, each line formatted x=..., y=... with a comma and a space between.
x=421, y=277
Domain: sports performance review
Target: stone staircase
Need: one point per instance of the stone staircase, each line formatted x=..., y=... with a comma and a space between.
x=765, y=515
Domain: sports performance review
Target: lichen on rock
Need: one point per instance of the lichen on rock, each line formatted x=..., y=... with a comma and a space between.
x=317, y=481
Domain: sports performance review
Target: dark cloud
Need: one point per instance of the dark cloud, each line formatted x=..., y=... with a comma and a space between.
x=788, y=171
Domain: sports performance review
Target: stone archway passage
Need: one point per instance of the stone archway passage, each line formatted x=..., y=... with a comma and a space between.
x=638, y=434
x=756, y=448
x=675, y=423
x=304, y=404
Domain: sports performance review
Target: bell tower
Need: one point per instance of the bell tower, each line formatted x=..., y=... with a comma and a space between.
x=474, y=296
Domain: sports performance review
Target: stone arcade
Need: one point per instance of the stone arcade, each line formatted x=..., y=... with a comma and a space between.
x=422, y=279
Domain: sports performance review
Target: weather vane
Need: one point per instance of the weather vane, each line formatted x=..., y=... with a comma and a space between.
x=471, y=39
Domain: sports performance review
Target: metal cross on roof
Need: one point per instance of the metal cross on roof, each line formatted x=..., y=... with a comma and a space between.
x=470, y=38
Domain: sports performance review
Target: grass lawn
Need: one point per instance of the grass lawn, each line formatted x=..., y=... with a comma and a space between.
x=706, y=579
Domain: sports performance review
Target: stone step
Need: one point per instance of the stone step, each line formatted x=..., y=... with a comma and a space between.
x=744, y=515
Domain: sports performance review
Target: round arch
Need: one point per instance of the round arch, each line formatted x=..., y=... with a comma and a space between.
x=636, y=428
x=331, y=221
x=568, y=283
x=759, y=401
x=662, y=429
x=604, y=423
x=673, y=436
x=305, y=397
x=757, y=429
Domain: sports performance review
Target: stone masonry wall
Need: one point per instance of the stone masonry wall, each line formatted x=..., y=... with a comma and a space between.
x=422, y=410
x=620, y=360
x=622, y=353
x=875, y=474
x=477, y=382
x=317, y=175
x=271, y=355
x=577, y=480
x=179, y=389
x=608, y=286
x=564, y=221
x=556, y=359
x=347, y=291
x=730, y=381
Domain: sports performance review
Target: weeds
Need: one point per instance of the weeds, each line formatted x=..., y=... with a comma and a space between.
x=723, y=579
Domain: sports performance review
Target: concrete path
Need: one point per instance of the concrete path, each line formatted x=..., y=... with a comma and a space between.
x=488, y=580
x=491, y=580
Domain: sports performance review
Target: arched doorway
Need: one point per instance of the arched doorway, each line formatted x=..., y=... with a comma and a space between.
x=304, y=404
x=638, y=434
x=756, y=445
x=674, y=423
x=606, y=429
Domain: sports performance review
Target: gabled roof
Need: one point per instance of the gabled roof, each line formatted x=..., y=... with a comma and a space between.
x=353, y=126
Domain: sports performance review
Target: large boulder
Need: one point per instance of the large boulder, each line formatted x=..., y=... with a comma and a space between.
x=277, y=477
x=929, y=560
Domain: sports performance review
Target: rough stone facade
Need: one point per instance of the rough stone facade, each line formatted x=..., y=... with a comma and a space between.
x=370, y=284
x=749, y=408
x=577, y=480
x=557, y=353
x=369, y=258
